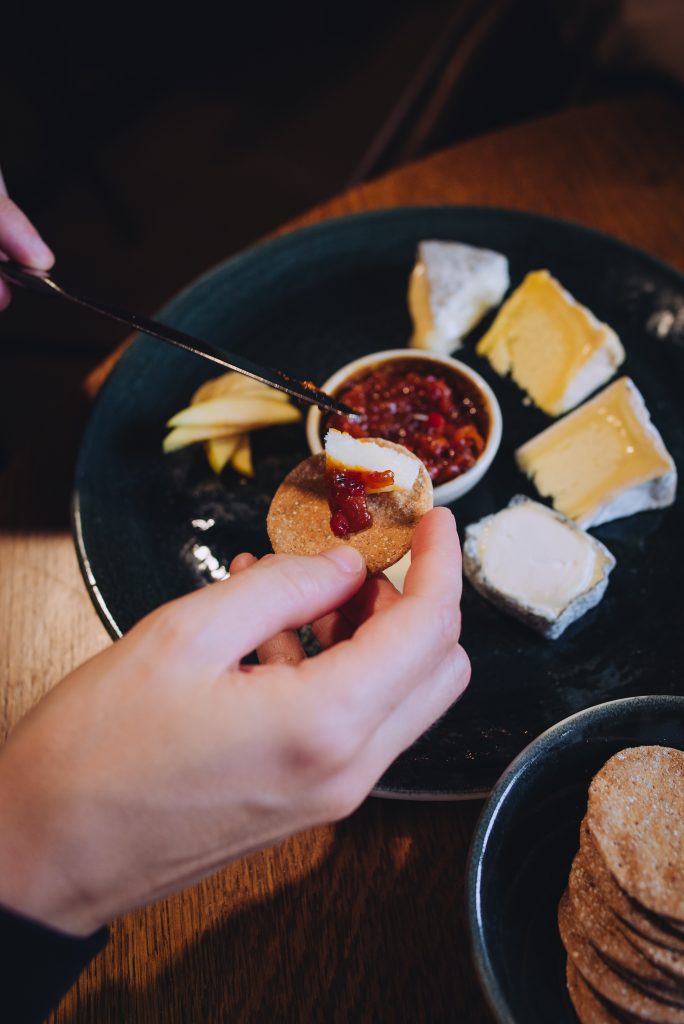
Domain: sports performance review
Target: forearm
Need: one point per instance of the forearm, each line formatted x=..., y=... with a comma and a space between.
x=25, y=857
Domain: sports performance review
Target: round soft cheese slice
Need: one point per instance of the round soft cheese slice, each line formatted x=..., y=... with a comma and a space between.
x=528, y=553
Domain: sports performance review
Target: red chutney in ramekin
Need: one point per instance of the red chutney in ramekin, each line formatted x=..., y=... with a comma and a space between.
x=437, y=407
x=438, y=414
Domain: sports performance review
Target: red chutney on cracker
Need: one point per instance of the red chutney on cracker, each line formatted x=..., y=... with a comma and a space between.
x=356, y=468
x=369, y=493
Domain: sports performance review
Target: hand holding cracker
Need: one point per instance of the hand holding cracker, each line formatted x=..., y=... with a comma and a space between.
x=221, y=761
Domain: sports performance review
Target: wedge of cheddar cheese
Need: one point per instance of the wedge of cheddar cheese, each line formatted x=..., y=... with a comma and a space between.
x=554, y=348
x=451, y=287
x=603, y=461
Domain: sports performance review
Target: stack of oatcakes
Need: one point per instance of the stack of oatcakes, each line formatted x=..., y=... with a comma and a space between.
x=621, y=917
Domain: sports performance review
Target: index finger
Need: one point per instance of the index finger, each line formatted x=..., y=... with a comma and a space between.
x=282, y=649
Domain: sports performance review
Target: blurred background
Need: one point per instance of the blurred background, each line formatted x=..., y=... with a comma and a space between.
x=147, y=149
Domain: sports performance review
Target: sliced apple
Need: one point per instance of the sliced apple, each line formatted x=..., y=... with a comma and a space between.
x=222, y=412
x=217, y=387
x=220, y=450
x=182, y=436
x=235, y=384
x=241, y=460
x=245, y=413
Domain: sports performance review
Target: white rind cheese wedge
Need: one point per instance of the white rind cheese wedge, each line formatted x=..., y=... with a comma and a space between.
x=367, y=456
x=536, y=565
x=554, y=348
x=451, y=288
x=396, y=573
x=603, y=461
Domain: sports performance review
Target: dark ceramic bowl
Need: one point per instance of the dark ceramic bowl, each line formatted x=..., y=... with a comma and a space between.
x=524, y=843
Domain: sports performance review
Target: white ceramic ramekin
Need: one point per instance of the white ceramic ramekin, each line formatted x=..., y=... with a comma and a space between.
x=445, y=493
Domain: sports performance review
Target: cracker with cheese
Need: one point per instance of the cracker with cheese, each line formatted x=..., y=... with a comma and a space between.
x=368, y=492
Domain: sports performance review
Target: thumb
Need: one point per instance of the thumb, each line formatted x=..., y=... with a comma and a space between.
x=279, y=592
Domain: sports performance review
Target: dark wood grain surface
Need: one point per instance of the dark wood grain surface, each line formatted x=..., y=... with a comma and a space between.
x=364, y=920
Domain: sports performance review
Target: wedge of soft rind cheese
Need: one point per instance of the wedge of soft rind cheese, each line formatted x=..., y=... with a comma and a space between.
x=603, y=461
x=451, y=287
x=553, y=347
x=536, y=565
x=369, y=456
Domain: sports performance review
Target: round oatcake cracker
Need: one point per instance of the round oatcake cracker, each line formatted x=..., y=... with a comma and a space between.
x=623, y=994
x=602, y=929
x=298, y=520
x=635, y=815
x=667, y=960
x=588, y=1007
x=634, y=921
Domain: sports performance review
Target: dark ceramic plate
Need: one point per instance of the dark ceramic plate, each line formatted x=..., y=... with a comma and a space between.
x=524, y=844
x=308, y=303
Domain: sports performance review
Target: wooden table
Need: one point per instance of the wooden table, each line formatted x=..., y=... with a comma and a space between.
x=364, y=920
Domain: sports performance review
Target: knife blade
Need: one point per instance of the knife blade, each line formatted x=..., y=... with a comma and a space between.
x=42, y=282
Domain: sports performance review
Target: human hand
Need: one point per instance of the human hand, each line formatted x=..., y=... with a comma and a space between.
x=19, y=241
x=162, y=759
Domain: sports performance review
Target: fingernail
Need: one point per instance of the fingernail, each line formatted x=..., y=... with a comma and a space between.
x=40, y=251
x=346, y=558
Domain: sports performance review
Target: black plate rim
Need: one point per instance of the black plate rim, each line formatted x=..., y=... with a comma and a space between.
x=525, y=762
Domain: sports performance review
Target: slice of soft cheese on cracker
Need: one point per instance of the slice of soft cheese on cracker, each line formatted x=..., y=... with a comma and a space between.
x=536, y=565
x=365, y=456
x=451, y=288
x=603, y=461
x=553, y=347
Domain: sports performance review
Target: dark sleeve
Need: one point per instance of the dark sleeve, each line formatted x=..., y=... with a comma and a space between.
x=38, y=965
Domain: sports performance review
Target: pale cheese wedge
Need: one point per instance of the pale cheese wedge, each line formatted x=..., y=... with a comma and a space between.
x=536, y=565
x=603, y=461
x=554, y=348
x=366, y=456
x=396, y=573
x=451, y=287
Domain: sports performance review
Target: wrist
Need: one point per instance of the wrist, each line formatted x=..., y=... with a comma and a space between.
x=39, y=865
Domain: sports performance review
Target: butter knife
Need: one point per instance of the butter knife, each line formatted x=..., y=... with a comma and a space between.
x=41, y=281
